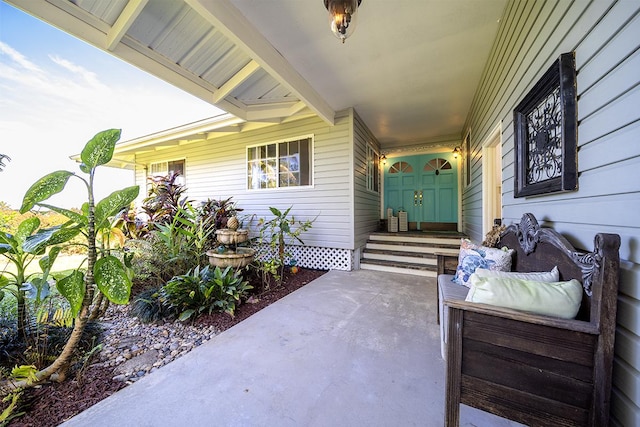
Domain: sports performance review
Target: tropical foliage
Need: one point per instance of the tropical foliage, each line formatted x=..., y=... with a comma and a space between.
x=105, y=273
x=203, y=290
x=163, y=246
x=165, y=199
x=21, y=249
x=277, y=234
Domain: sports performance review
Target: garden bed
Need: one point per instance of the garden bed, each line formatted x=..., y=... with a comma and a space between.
x=52, y=404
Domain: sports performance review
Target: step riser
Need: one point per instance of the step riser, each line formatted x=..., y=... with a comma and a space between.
x=412, y=239
x=401, y=259
x=421, y=273
x=406, y=253
x=412, y=249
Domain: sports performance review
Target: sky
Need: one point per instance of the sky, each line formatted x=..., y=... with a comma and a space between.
x=57, y=92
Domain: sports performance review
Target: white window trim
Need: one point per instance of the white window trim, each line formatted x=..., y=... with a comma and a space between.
x=370, y=149
x=292, y=188
x=465, y=163
x=166, y=162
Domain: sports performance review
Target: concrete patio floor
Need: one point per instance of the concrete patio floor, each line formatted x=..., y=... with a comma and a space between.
x=357, y=348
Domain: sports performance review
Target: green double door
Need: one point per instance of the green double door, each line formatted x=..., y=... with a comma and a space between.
x=425, y=186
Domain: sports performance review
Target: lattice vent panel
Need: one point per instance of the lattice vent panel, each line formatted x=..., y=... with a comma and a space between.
x=313, y=257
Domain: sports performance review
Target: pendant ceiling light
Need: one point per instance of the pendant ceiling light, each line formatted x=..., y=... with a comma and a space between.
x=343, y=16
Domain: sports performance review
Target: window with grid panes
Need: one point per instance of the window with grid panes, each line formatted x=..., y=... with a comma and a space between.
x=166, y=168
x=373, y=165
x=280, y=164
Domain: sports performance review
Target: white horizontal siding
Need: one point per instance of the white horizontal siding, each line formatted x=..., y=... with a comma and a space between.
x=216, y=169
x=366, y=202
x=605, y=36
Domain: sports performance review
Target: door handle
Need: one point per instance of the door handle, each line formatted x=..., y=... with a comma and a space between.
x=415, y=198
x=420, y=198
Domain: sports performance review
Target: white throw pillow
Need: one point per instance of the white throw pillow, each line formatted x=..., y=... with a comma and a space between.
x=558, y=299
x=539, y=276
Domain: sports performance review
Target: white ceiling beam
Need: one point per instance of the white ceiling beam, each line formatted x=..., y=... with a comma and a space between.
x=273, y=112
x=223, y=130
x=202, y=128
x=235, y=81
x=122, y=163
x=191, y=141
x=124, y=22
x=306, y=113
x=76, y=21
x=194, y=137
x=228, y=19
x=296, y=108
x=159, y=66
x=248, y=126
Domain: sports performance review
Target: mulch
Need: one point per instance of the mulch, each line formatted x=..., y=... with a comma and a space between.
x=51, y=404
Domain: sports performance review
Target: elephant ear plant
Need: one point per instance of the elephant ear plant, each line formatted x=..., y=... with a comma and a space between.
x=22, y=248
x=105, y=274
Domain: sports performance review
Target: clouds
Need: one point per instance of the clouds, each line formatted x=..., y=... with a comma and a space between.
x=54, y=88
x=51, y=104
x=17, y=58
x=89, y=77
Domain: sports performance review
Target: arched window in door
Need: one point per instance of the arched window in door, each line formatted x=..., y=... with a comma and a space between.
x=437, y=165
x=400, y=167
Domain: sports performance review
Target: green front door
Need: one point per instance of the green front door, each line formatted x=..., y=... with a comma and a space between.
x=425, y=186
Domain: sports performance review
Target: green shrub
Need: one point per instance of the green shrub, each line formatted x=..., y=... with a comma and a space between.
x=276, y=234
x=149, y=262
x=205, y=291
x=148, y=306
x=171, y=249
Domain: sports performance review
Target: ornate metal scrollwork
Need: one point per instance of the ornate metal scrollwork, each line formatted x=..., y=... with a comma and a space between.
x=544, y=139
x=545, y=133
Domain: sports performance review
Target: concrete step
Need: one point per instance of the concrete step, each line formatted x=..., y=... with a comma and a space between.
x=415, y=238
x=408, y=252
x=400, y=257
x=394, y=267
x=413, y=249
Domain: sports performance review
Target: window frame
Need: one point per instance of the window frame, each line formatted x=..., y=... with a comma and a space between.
x=372, y=169
x=183, y=176
x=277, y=158
x=466, y=160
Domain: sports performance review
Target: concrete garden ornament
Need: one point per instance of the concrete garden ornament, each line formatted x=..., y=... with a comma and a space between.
x=229, y=254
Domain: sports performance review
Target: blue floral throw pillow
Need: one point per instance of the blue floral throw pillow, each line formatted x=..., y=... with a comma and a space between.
x=473, y=256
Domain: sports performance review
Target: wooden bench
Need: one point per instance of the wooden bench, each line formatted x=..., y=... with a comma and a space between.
x=533, y=369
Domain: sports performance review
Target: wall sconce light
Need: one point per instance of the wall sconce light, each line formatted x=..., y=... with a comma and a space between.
x=456, y=152
x=342, y=15
x=383, y=159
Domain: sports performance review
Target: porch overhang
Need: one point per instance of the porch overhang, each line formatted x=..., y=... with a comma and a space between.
x=207, y=48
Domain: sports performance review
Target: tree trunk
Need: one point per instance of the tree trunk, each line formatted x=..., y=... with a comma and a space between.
x=22, y=315
x=62, y=362
x=99, y=307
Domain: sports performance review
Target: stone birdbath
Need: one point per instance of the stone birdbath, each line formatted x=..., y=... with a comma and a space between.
x=229, y=254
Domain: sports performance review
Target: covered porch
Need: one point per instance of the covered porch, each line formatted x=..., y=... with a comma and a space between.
x=359, y=348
